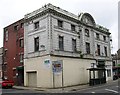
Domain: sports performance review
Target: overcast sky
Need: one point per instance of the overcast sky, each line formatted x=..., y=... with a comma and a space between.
x=105, y=12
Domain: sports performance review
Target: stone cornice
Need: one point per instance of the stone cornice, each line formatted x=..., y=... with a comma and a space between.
x=65, y=16
x=37, y=15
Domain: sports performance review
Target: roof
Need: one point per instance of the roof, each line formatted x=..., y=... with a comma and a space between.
x=20, y=20
x=50, y=6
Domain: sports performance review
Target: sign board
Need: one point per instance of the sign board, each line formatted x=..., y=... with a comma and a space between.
x=47, y=63
x=57, y=66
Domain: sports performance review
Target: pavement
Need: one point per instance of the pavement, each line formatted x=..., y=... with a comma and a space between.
x=54, y=90
x=59, y=90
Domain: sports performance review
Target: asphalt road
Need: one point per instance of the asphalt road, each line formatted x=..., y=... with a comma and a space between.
x=111, y=88
x=14, y=91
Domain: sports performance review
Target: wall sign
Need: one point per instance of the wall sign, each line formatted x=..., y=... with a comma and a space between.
x=57, y=66
x=47, y=63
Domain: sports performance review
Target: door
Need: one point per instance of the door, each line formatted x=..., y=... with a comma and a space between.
x=57, y=67
x=21, y=77
x=32, y=79
x=58, y=80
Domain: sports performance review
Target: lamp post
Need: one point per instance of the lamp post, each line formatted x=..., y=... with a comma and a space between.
x=116, y=58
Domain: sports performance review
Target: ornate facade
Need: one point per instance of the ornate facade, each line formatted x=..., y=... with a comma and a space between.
x=53, y=34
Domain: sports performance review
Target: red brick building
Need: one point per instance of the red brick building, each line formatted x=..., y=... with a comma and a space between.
x=1, y=61
x=13, y=43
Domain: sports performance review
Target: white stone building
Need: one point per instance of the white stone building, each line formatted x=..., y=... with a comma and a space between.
x=53, y=34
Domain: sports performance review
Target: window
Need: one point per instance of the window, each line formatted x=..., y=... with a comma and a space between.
x=6, y=35
x=21, y=58
x=72, y=27
x=104, y=38
x=60, y=23
x=16, y=27
x=87, y=48
x=21, y=43
x=36, y=44
x=21, y=25
x=98, y=49
x=108, y=72
x=74, y=45
x=113, y=63
x=97, y=36
x=36, y=25
x=61, y=43
x=14, y=72
x=105, y=50
x=5, y=55
x=4, y=67
x=87, y=32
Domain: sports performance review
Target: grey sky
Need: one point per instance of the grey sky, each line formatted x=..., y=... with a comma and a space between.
x=119, y=25
x=105, y=12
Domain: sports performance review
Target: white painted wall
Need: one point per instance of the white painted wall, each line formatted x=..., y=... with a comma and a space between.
x=109, y=66
x=74, y=71
x=44, y=73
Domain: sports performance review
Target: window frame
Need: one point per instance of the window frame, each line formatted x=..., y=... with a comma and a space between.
x=21, y=57
x=21, y=25
x=61, y=43
x=6, y=35
x=105, y=51
x=36, y=25
x=74, y=45
x=36, y=44
x=97, y=36
x=60, y=23
x=21, y=43
x=73, y=27
x=87, y=47
x=98, y=49
x=5, y=55
x=104, y=38
x=5, y=67
x=16, y=27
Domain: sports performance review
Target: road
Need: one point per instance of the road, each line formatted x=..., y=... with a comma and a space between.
x=111, y=88
x=14, y=91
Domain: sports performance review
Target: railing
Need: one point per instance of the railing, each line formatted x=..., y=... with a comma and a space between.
x=102, y=28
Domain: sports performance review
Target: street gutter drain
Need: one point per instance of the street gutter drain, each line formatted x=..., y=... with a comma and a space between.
x=40, y=90
x=74, y=90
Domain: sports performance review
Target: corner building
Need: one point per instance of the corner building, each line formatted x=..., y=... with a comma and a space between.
x=53, y=35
